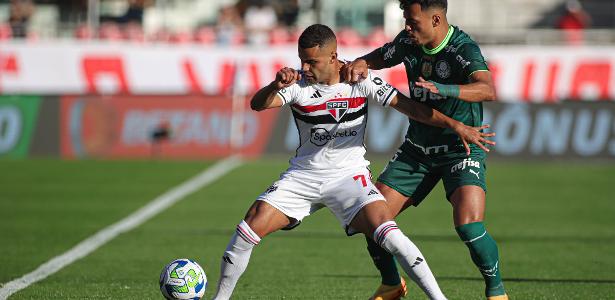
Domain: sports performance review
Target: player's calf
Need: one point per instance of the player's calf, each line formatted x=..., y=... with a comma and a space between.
x=390, y=237
x=235, y=259
x=484, y=253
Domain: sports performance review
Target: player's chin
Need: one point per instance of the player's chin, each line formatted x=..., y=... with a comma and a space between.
x=309, y=79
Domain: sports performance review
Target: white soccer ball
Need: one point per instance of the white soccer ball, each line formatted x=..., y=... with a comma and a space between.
x=183, y=279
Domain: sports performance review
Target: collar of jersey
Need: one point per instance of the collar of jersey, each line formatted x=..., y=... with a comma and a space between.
x=433, y=51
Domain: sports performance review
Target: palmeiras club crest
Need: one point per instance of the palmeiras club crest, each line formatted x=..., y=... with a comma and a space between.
x=337, y=108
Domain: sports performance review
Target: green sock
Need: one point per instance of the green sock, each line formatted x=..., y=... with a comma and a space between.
x=484, y=252
x=385, y=263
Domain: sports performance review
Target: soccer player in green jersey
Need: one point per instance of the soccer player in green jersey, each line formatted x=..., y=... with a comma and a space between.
x=445, y=70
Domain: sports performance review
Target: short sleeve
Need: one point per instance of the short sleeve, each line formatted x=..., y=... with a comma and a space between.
x=392, y=52
x=376, y=89
x=471, y=59
x=289, y=94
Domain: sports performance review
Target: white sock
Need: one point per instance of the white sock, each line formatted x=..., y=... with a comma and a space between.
x=235, y=259
x=389, y=237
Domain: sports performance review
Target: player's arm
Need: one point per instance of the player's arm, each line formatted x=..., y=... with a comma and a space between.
x=268, y=96
x=479, y=89
x=425, y=114
x=384, y=57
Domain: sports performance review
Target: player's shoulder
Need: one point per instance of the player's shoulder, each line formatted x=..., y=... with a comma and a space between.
x=462, y=42
x=402, y=38
x=370, y=79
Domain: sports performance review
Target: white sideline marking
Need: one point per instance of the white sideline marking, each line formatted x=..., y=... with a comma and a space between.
x=130, y=222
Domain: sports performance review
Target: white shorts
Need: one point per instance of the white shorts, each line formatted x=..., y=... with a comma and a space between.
x=298, y=193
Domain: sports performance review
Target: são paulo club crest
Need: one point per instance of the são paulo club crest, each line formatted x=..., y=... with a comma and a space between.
x=337, y=108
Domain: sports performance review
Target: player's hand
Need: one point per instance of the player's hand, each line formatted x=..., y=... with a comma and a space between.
x=427, y=85
x=286, y=77
x=354, y=71
x=474, y=135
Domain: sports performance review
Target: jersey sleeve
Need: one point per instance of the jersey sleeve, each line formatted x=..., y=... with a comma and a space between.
x=376, y=89
x=471, y=59
x=392, y=52
x=289, y=94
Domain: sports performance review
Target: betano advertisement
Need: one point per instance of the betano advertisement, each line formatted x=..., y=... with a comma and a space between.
x=200, y=127
x=126, y=127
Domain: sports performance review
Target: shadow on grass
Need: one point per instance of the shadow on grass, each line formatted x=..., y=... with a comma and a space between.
x=460, y=278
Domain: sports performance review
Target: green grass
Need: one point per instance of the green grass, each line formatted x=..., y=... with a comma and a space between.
x=554, y=224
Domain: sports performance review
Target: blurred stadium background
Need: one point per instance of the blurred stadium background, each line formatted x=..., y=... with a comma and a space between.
x=106, y=104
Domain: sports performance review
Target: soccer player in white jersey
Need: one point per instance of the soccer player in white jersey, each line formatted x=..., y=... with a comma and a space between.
x=329, y=168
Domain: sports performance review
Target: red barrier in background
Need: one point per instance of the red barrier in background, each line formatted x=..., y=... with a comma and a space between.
x=123, y=126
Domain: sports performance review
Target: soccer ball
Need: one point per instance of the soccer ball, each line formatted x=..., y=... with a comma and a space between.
x=183, y=279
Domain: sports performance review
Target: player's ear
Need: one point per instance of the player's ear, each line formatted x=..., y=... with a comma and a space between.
x=436, y=20
x=333, y=57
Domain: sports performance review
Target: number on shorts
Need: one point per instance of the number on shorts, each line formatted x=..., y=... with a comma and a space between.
x=362, y=177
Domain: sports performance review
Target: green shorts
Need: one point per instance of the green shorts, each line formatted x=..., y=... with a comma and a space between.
x=414, y=174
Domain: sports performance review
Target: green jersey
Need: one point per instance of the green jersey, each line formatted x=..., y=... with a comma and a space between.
x=452, y=62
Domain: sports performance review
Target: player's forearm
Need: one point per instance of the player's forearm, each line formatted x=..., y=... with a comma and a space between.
x=422, y=113
x=374, y=60
x=264, y=97
x=476, y=92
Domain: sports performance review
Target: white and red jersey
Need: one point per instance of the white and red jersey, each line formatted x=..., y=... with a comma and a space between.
x=331, y=120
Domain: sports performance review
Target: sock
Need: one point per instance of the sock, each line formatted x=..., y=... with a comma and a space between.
x=389, y=237
x=484, y=253
x=235, y=259
x=384, y=261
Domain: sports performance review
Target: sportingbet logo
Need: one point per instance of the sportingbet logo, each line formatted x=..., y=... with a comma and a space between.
x=468, y=162
x=321, y=136
x=337, y=108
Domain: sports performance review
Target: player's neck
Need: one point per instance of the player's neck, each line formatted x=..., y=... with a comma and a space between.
x=441, y=34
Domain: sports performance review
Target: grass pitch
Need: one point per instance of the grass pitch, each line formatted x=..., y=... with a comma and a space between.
x=554, y=223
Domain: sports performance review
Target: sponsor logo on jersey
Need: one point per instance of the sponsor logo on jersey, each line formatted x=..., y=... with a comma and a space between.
x=464, y=63
x=423, y=94
x=372, y=192
x=450, y=48
x=337, y=108
x=389, y=52
x=321, y=136
x=431, y=149
x=468, y=162
x=316, y=95
x=443, y=69
x=412, y=61
x=406, y=41
x=427, y=66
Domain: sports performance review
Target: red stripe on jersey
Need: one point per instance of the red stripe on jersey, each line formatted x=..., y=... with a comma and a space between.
x=352, y=103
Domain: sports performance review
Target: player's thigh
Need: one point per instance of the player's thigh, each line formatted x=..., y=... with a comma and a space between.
x=290, y=196
x=406, y=181
x=348, y=194
x=370, y=217
x=465, y=185
x=264, y=219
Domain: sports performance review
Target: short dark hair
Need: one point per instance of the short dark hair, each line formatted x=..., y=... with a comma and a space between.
x=316, y=35
x=403, y=4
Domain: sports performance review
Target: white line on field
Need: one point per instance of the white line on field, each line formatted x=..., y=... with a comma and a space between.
x=130, y=222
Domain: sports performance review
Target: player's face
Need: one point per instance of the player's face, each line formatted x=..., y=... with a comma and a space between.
x=419, y=24
x=317, y=63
